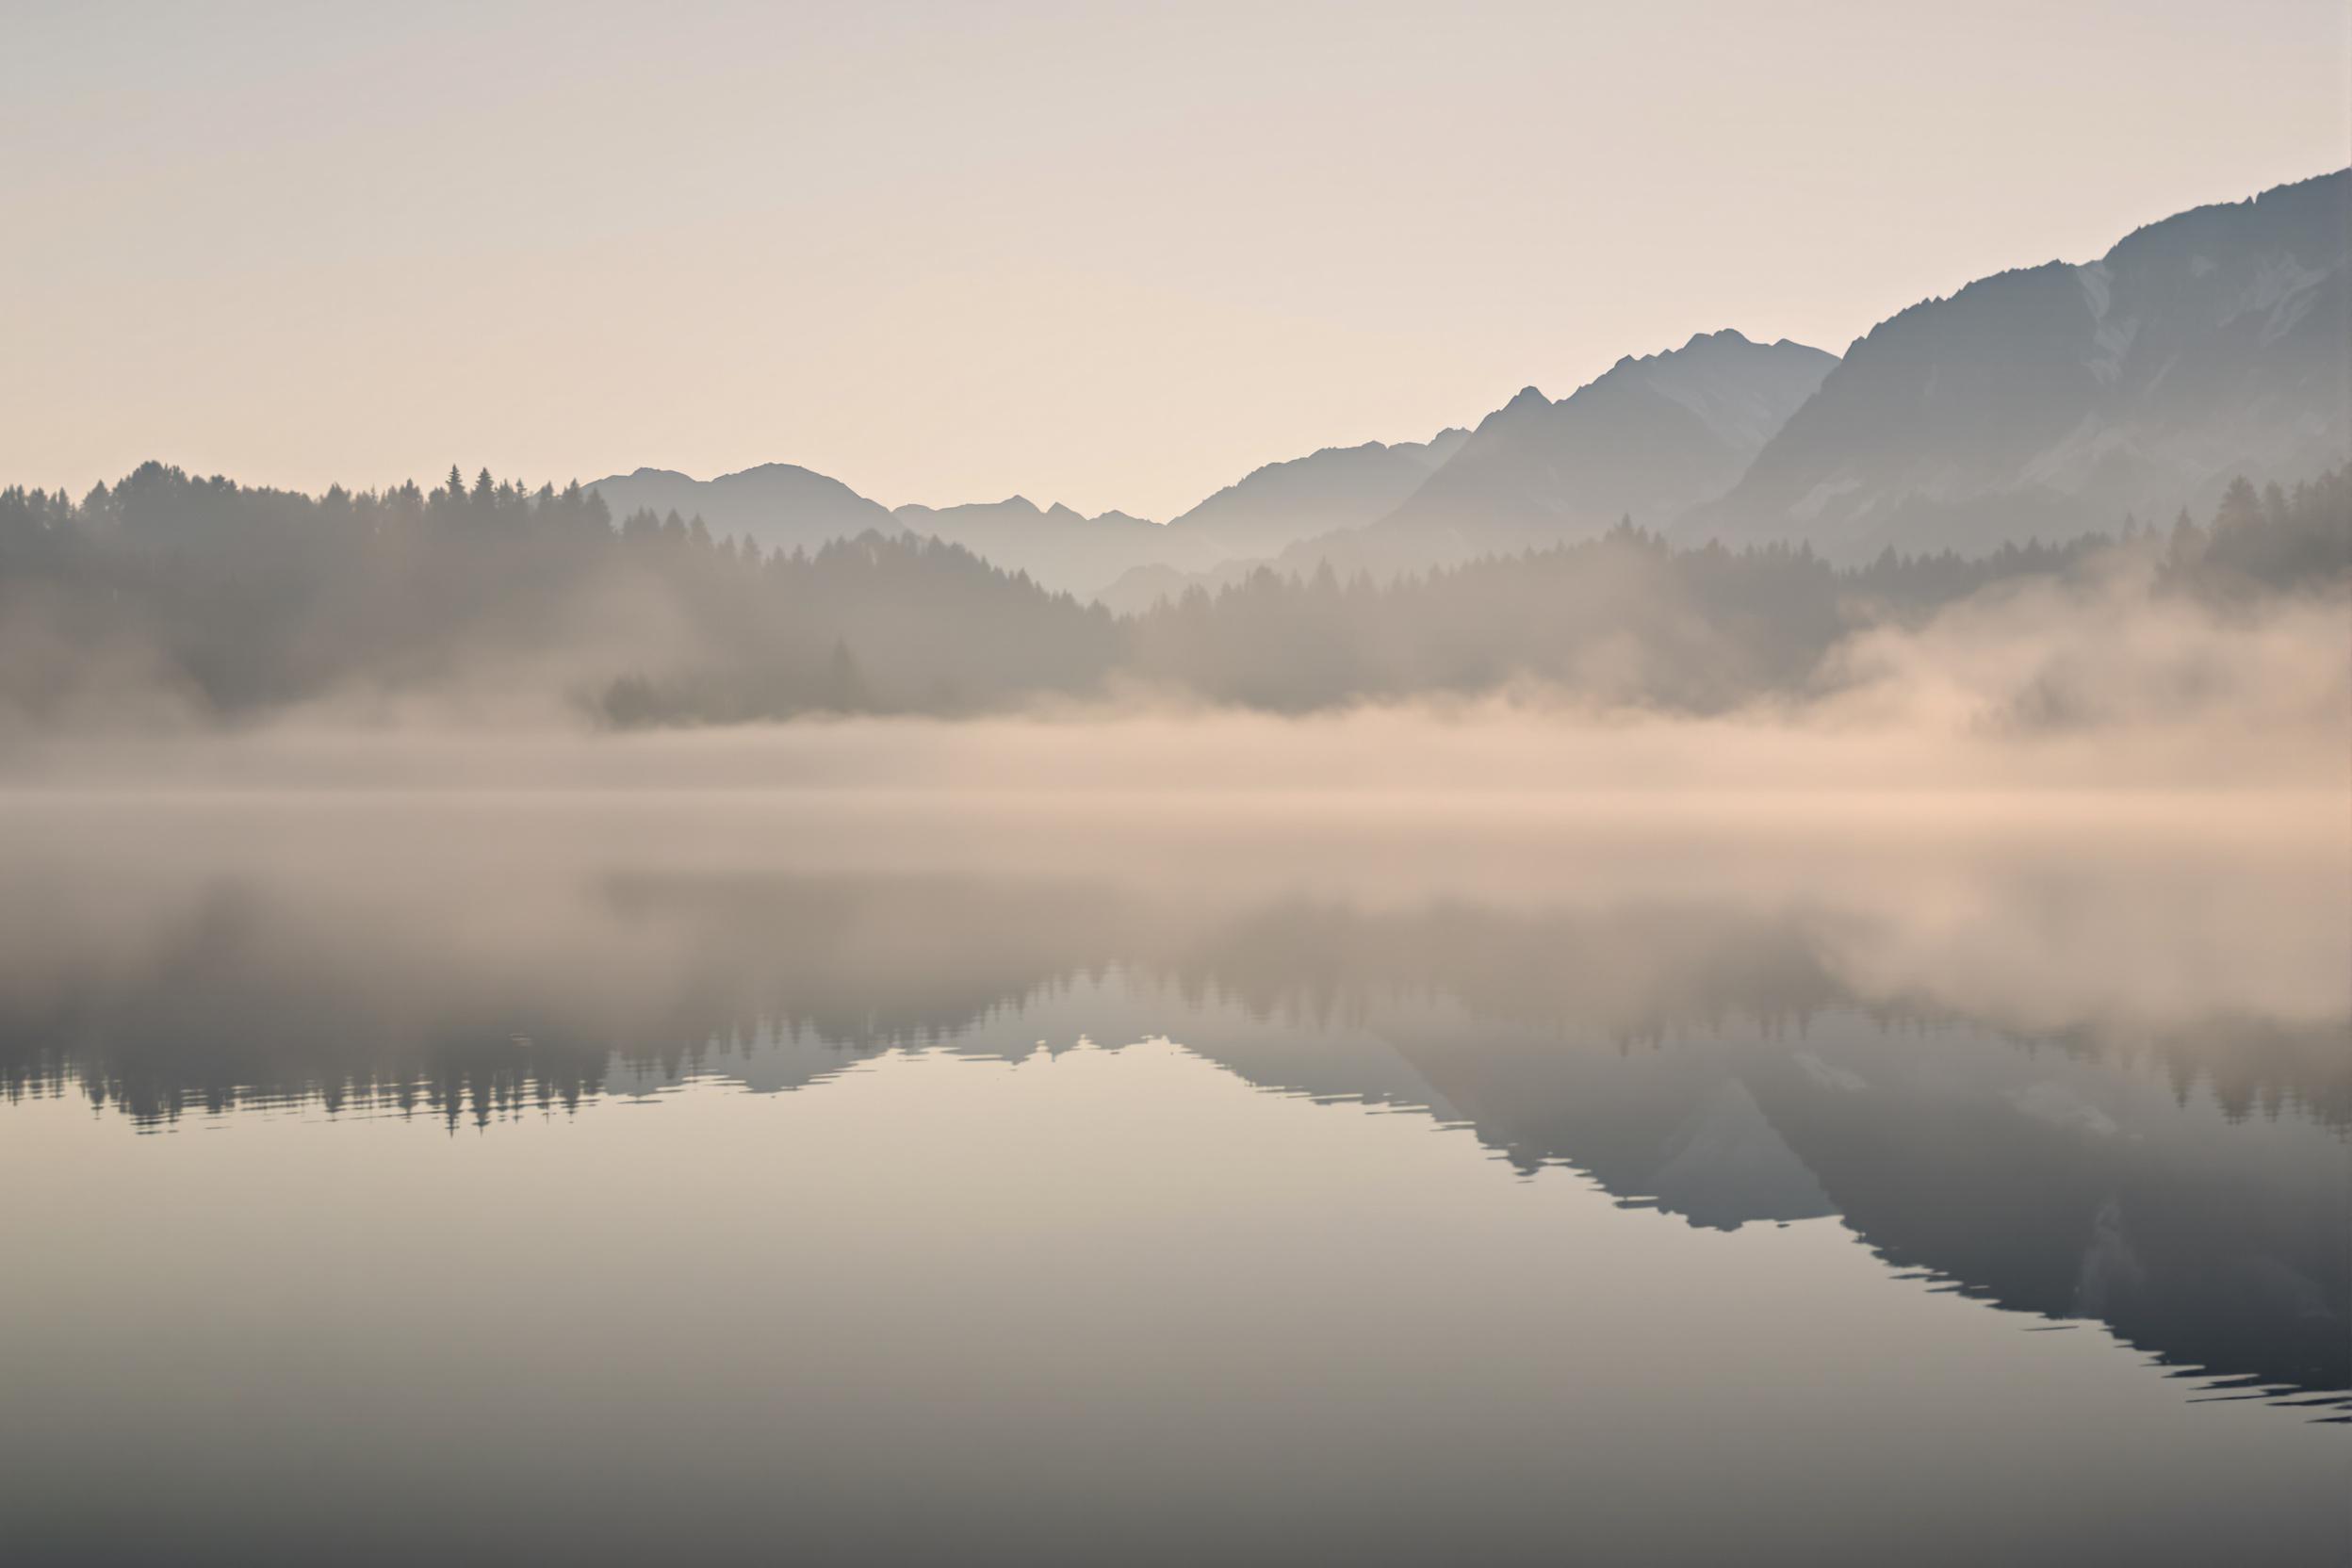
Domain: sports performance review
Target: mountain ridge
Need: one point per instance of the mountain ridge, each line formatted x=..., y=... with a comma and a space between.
x=2040, y=400
x=1648, y=437
x=2051, y=399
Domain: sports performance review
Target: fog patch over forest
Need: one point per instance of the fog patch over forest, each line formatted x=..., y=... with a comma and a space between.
x=168, y=604
x=2093, y=685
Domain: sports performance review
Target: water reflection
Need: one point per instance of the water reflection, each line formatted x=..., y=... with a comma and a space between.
x=2178, y=1174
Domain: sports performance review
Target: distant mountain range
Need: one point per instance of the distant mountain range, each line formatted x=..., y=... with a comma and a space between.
x=778, y=504
x=1060, y=547
x=784, y=507
x=2042, y=402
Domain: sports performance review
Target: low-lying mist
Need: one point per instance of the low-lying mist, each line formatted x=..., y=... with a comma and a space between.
x=2045, y=896
x=173, y=606
x=2055, y=788
x=2026, y=688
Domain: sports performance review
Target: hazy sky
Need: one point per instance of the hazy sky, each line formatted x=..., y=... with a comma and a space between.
x=1109, y=255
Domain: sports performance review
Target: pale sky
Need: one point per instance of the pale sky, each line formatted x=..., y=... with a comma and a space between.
x=1113, y=255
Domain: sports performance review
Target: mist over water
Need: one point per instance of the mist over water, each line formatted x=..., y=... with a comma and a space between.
x=2106, y=918
x=999, y=1052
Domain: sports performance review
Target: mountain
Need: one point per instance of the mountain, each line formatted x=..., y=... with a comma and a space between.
x=1338, y=488
x=779, y=505
x=1059, y=547
x=2056, y=399
x=786, y=507
x=1650, y=438
x=2044, y=402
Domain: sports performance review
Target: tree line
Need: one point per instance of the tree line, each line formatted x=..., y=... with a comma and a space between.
x=235, y=600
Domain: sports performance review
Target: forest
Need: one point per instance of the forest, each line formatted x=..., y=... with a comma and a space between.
x=203, y=597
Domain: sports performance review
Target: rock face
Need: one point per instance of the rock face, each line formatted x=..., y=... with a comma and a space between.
x=2056, y=399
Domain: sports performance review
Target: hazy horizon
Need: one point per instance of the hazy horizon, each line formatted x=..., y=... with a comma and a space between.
x=1111, y=257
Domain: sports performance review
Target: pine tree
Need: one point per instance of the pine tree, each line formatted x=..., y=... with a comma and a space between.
x=844, y=682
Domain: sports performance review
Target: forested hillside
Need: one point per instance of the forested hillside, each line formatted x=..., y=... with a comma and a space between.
x=215, y=601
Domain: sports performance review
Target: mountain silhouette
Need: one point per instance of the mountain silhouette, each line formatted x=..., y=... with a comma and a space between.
x=776, y=505
x=2057, y=399
x=2041, y=402
x=1338, y=488
x=1058, y=547
x=1649, y=439
x=779, y=505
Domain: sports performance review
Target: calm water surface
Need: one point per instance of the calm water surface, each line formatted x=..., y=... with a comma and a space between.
x=393, y=1180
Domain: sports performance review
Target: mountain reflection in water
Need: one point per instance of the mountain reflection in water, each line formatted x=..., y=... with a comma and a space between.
x=2065, y=1084
x=2176, y=1170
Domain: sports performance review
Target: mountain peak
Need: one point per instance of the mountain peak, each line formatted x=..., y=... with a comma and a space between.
x=1651, y=437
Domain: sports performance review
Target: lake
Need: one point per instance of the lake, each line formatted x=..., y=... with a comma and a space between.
x=609, y=1173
